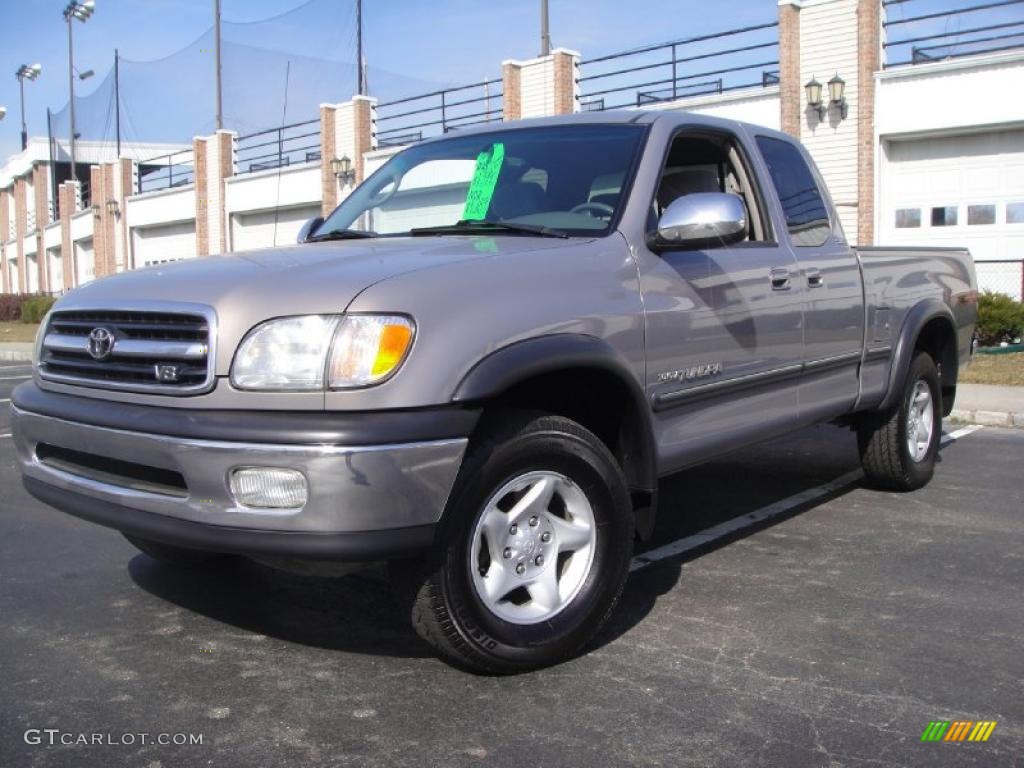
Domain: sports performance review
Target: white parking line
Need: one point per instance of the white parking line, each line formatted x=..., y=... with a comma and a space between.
x=708, y=535
x=950, y=437
x=5, y=400
x=7, y=378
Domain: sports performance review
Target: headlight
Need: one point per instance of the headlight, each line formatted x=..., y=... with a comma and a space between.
x=293, y=353
x=287, y=353
x=367, y=349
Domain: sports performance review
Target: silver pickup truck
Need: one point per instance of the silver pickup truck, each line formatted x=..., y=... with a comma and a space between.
x=478, y=367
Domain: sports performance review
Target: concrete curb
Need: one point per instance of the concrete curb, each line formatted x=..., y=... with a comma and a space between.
x=16, y=351
x=988, y=418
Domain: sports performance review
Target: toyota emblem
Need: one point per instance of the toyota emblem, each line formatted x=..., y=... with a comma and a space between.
x=101, y=343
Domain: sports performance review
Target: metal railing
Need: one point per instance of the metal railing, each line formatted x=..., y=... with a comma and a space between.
x=414, y=118
x=747, y=57
x=969, y=29
x=278, y=147
x=175, y=169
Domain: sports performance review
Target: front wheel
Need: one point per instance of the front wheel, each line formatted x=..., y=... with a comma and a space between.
x=898, y=448
x=540, y=533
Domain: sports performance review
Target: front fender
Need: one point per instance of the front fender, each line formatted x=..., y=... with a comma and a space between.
x=521, y=361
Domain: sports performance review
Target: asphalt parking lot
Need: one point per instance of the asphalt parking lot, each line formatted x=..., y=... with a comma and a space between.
x=817, y=624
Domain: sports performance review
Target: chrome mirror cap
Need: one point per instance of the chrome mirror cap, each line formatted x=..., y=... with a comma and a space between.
x=702, y=219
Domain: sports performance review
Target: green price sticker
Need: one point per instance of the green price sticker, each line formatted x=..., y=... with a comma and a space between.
x=485, y=179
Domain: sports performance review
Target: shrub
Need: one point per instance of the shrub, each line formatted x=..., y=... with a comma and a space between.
x=35, y=308
x=1000, y=318
x=10, y=306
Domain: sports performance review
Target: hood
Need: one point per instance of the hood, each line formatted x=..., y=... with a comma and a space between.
x=249, y=287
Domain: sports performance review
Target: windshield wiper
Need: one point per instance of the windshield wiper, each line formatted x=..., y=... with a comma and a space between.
x=470, y=227
x=341, y=234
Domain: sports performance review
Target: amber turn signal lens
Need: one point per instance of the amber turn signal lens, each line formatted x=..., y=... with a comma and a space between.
x=369, y=348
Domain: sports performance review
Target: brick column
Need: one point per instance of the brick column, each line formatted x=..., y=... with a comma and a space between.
x=566, y=66
x=222, y=163
x=68, y=193
x=869, y=61
x=511, y=88
x=100, y=244
x=202, y=195
x=214, y=158
x=20, y=226
x=41, y=188
x=5, y=224
x=541, y=87
x=125, y=174
x=790, y=87
x=346, y=130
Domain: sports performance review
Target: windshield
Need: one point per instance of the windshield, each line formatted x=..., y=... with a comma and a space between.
x=563, y=179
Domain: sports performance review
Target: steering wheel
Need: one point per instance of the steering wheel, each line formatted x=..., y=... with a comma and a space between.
x=604, y=208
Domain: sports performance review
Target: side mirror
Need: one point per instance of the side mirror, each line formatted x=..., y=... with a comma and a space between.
x=702, y=219
x=307, y=229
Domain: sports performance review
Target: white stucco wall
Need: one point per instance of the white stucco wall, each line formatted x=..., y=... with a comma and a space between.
x=828, y=46
x=759, y=106
x=945, y=96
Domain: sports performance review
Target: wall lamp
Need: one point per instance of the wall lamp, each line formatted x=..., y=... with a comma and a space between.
x=343, y=170
x=836, y=96
x=95, y=208
x=112, y=208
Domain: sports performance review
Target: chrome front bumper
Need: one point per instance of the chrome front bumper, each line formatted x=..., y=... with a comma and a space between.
x=352, y=489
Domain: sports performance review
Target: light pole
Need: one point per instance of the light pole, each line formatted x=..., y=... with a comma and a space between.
x=217, y=63
x=26, y=72
x=80, y=11
x=545, y=35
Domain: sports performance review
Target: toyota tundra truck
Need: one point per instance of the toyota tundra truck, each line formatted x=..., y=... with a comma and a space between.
x=480, y=364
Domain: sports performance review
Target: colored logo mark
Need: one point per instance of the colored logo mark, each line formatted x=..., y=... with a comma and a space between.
x=958, y=730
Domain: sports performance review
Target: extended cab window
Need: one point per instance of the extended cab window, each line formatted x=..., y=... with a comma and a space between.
x=569, y=179
x=707, y=162
x=802, y=203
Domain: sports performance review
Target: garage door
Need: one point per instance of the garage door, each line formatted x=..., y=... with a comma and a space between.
x=85, y=261
x=959, y=191
x=256, y=230
x=167, y=242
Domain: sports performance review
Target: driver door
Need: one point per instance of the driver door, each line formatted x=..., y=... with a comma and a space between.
x=724, y=324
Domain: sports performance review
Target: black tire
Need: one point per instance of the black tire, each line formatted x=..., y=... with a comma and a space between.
x=438, y=591
x=177, y=557
x=882, y=437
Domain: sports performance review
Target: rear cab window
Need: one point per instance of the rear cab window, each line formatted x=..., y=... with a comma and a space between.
x=803, y=205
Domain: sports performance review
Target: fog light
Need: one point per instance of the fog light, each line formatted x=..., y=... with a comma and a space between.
x=269, y=487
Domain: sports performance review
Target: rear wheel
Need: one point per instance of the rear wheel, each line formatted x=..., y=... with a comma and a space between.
x=898, y=447
x=537, y=553
x=178, y=557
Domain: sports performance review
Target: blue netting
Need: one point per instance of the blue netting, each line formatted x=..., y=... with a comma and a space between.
x=171, y=100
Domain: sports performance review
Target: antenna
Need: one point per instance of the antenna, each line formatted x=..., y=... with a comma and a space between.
x=280, y=140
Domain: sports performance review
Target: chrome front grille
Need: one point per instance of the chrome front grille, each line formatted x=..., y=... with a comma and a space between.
x=135, y=351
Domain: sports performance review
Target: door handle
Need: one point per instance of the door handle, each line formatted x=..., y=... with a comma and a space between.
x=814, y=278
x=780, y=279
